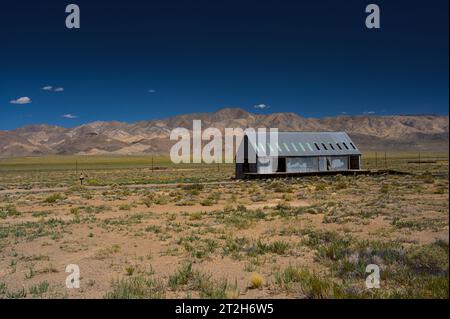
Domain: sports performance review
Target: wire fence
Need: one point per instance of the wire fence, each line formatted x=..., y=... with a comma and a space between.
x=409, y=161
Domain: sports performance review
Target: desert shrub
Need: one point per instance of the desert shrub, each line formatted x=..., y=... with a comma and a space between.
x=420, y=224
x=86, y=195
x=53, y=198
x=427, y=178
x=280, y=187
x=279, y=247
x=308, y=283
x=148, y=200
x=212, y=289
x=9, y=211
x=138, y=287
x=154, y=229
x=340, y=185
x=413, y=272
x=94, y=182
x=240, y=217
x=3, y=289
x=130, y=270
x=181, y=276
x=194, y=189
x=18, y=294
x=287, y=197
x=429, y=259
x=234, y=245
x=259, y=197
x=162, y=200
x=321, y=186
x=40, y=214
x=282, y=206
x=186, y=201
x=212, y=199
x=39, y=289
x=192, y=186
x=261, y=248
x=384, y=189
x=207, y=202
x=107, y=252
x=199, y=248
x=256, y=281
x=353, y=264
x=195, y=216
x=204, y=284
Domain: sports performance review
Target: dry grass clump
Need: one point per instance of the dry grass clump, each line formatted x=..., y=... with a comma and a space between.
x=256, y=281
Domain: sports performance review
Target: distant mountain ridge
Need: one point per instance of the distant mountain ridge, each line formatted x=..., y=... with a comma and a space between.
x=370, y=132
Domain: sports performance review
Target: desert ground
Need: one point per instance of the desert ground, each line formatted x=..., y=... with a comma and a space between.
x=143, y=230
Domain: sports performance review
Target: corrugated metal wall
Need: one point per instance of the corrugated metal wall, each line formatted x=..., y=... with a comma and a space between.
x=314, y=164
x=267, y=165
x=301, y=164
x=339, y=163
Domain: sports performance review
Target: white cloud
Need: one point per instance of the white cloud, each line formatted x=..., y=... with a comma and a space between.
x=261, y=106
x=151, y=91
x=69, y=116
x=53, y=89
x=21, y=100
x=369, y=112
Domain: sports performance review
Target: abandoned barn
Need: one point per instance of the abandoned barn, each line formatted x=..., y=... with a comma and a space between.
x=297, y=153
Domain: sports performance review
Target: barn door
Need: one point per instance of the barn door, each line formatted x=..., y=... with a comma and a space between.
x=323, y=167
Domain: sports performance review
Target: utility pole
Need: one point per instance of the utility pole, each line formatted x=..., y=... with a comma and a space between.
x=376, y=160
x=152, y=163
x=385, y=160
x=76, y=169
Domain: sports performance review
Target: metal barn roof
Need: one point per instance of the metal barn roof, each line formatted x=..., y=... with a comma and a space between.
x=304, y=144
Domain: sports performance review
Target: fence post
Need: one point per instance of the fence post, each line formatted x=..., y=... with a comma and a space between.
x=385, y=160
x=376, y=160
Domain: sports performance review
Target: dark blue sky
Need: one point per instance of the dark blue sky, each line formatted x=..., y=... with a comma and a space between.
x=315, y=58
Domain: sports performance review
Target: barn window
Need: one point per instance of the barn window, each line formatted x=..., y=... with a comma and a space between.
x=332, y=147
x=286, y=147
x=301, y=145
x=317, y=146
x=309, y=146
x=345, y=145
x=293, y=145
x=324, y=147
x=339, y=146
x=353, y=145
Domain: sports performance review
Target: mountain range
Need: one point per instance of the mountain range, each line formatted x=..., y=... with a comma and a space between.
x=369, y=132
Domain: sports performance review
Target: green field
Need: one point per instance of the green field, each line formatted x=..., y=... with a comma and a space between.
x=57, y=171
